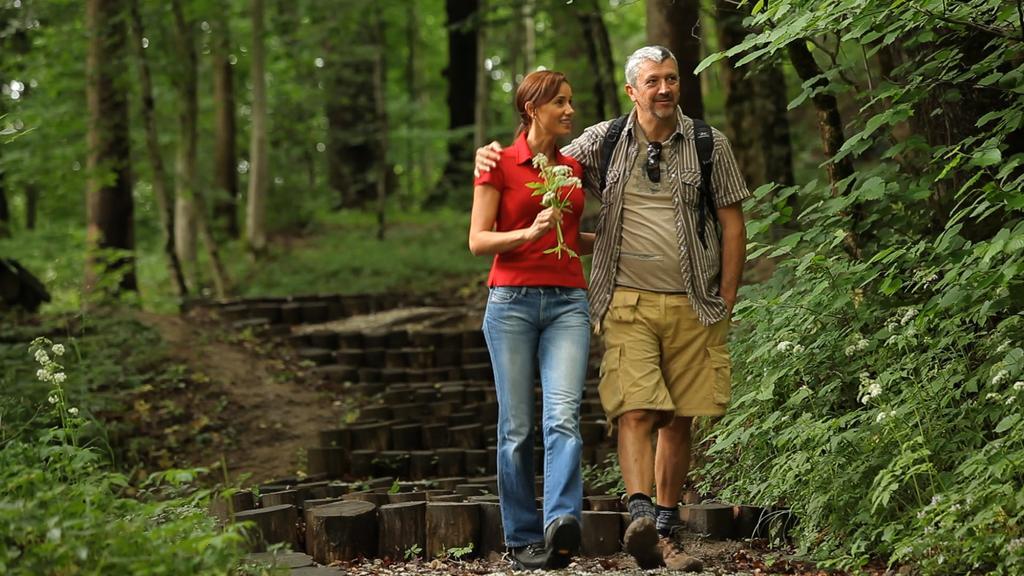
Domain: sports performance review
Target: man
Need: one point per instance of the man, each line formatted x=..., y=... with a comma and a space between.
x=662, y=288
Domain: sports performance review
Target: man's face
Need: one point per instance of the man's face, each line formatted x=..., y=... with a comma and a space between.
x=657, y=89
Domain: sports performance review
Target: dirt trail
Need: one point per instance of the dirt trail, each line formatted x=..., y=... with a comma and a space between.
x=273, y=409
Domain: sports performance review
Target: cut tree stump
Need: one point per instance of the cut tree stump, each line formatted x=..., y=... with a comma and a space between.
x=449, y=483
x=375, y=498
x=451, y=461
x=605, y=503
x=422, y=464
x=468, y=437
x=435, y=436
x=402, y=497
x=452, y=525
x=307, y=511
x=362, y=463
x=281, y=559
x=336, y=438
x=342, y=531
x=714, y=520
x=225, y=508
x=402, y=526
x=601, y=533
x=279, y=498
x=371, y=436
x=406, y=436
x=272, y=526
x=492, y=533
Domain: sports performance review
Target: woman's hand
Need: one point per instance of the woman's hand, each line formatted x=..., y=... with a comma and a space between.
x=543, y=223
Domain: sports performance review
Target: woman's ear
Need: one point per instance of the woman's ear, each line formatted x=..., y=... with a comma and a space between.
x=530, y=109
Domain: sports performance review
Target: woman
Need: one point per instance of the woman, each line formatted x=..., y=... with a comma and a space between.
x=537, y=315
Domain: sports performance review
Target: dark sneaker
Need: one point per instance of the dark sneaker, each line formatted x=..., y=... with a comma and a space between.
x=529, y=557
x=563, y=538
x=641, y=542
x=677, y=560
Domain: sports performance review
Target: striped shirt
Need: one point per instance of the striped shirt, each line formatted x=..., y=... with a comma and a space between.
x=700, y=267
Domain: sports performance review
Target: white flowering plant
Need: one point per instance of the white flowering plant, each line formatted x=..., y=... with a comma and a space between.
x=555, y=188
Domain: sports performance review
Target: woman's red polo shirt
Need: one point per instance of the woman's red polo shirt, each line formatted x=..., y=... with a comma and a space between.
x=527, y=265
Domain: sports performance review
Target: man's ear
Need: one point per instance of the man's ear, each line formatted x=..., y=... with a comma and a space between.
x=630, y=92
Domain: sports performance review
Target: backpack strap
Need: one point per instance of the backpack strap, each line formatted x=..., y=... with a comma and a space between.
x=704, y=140
x=611, y=138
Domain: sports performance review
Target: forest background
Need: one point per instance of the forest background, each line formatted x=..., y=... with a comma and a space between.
x=152, y=152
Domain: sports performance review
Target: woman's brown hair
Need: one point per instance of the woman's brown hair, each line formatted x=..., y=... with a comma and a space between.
x=538, y=88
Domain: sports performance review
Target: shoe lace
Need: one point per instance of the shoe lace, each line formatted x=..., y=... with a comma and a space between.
x=536, y=549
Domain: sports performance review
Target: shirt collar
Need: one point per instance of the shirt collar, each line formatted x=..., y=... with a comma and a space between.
x=684, y=125
x=524, y=155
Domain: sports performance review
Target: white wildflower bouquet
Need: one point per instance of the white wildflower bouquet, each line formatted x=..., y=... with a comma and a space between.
x=555, y=179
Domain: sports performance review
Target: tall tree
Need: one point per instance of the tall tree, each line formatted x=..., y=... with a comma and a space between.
x=110, y=233
x=256, y=203
x=462, y=20
x=755, y=106
x=675, y=24
x=482, y=83
x=188, y=118
x=225, y=155
x=599, y=54
x=5, y=210
x=830, y=129
x=165, y=206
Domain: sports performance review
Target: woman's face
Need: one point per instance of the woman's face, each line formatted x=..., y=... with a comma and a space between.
x=555, y=117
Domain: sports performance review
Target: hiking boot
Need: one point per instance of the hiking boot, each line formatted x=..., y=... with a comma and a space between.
x=563, y=538
x=677, y=560
x=641, y=542
x=529, y=557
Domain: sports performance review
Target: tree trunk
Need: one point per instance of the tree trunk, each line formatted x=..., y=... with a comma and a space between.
x=755, y=108
x=185, y=166
x=599, y=53
x=31, y=206
x=482, y=84
x=148, y=114
x=461, y=74
x=256, y=204
x=830, y=127
x=109, y=203
x=675, y=24
x=5, y=210
x=380, y=112
x=529, y=27
x=225, y=155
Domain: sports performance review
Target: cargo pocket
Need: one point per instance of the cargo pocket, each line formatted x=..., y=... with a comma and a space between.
x=609, y=387
x=623, y=306
x=721, y=366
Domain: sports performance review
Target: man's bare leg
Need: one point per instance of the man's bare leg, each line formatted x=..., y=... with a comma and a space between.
x=636, y=457
x=672, y=460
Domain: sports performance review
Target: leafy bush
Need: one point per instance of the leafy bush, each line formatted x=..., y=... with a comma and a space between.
x=880, y=398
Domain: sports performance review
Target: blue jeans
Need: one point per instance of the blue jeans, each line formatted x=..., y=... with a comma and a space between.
x=524, y=327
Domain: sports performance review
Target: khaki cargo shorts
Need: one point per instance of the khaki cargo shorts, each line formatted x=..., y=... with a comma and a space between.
x=658, y=356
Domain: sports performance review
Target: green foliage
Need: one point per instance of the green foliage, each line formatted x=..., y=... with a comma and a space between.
x=412, y=552
x=880, y=398
x=457, y=552
x=63, y=510
x=605, y=477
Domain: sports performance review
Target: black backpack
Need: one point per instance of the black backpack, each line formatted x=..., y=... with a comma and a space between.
x=705, y=143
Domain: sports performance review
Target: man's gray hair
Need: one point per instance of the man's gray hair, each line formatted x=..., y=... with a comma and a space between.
x=656, y=54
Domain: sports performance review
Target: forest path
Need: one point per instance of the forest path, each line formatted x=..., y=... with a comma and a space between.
x=272, y=408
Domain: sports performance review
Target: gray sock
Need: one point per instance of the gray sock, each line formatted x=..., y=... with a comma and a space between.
x=640, y=505
x=668, y=519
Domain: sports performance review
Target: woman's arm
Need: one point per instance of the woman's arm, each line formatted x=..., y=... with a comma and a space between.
x=483, y=239
x=586, y=243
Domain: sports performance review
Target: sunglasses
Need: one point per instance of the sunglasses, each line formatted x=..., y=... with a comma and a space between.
x=653, y=164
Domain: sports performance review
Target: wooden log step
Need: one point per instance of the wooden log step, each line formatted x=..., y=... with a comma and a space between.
x=477, y=371
x=337, y=373
x=291, y=313
x=449, y=483
x=375, y=339
x=311, y=491
x=342, y=531
x=392, y=375
x=474, y=339
x=362, y=463
x=336, y=437
x=223, y=507
x=351, y=357
x=435, y=436
x=371, y=436
x=406, y=436
x=402, y=527
x=451, y=461
x=278, y=498
x=468, y=490
x=491, y=482
x=310, y=505
x=375, y=498
x=472, y=356
x=315, y=312
x=447, y=357
x=375, y=413
x=271, y=312
x=446, y=498
x=462, y=419
x=317, y=571
x=323, y=339
x=273, y=525
x=380, y=482
x=452, y=525
x=714, y=520
x=474, y=394
x=492, y=533
x=592, y=432
x=332, y=462
x=476, y=462
x=408, y=412
x=467, y=436
x=374, y=357
x=605, y=503
x=425, y=395
x=488, y=413
x=402, y=497
x=491, y=435
x=391, y=463
x=422, y=464
x=601, y=531
x=452, y=393
x=318, y=356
